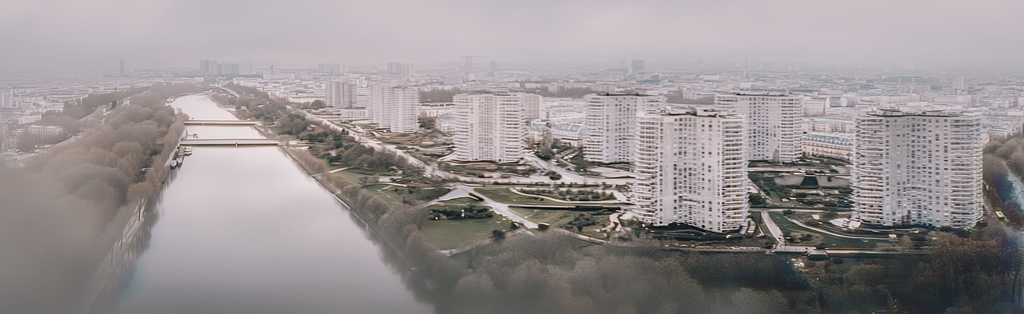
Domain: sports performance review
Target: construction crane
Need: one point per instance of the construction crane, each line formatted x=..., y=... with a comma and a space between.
x=469, y=65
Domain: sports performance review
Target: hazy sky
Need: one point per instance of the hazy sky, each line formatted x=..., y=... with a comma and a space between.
x=93, y=34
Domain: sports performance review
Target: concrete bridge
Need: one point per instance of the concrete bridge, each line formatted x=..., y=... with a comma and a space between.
x=221, y=122
x=228, y=142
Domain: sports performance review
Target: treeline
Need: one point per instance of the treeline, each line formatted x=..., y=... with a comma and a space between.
x=56, y=205
x=254, y=104
x=1005, y=158
x=561, y=92
x=976, y=274
x=439, y=95
x=676, y=97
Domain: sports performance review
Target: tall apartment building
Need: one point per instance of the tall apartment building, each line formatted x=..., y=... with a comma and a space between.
x=531, y=105
x=339, y=94
x=774, y=123
x=691, y=168
x=609, y=135
x=403, y=69
x=404, y=115
x=393, y=107
x=6, y=99
x=918, y=166
x=490, y=126
x=208, y=67
x=637, y=67
x=381, y=102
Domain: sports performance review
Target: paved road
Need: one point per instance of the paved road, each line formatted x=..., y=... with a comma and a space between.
x=371, y=142
x=837, y=234
x=773, y=228
x=501, y=209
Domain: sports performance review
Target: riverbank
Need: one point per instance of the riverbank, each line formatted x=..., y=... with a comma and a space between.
x=119, y=242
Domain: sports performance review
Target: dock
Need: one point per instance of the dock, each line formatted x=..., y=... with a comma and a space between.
x=228, y=142
x=220, y=122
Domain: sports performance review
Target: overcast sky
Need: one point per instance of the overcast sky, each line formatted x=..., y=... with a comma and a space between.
x=93, y=34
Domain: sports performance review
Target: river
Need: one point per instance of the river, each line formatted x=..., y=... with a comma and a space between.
x=246, y=230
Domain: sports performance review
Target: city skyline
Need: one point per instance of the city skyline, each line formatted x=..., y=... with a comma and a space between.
x=920, y=32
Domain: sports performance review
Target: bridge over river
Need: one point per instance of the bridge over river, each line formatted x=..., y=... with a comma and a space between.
x=227, y=142
x=221, y=122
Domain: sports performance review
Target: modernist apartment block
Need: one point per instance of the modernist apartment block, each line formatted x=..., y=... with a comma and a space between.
x=691, y=168
x=531, y=103
x=404, y=112
x=490, y=126
x=339, y=94
x=774, y=123
x=610, y=131
x=394, y=107
x=918, y=166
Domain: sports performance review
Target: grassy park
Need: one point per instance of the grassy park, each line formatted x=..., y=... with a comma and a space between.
x=450, y=234
x=796, y=232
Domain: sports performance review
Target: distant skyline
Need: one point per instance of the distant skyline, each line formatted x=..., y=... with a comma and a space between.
x=56, y=35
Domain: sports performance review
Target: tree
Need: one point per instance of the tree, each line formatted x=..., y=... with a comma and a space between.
x=553, y=175
x=139, y=191
x=26, y=142
x=427, y=123
x=368, y=180
x=317, y=104
x=580, y=162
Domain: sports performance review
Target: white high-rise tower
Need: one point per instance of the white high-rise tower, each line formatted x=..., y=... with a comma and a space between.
x=918, y=166
x=490, y=126
x=691, y=168
x=404, y=117
x=609, y=135
x=339, y=94
x=774, y=129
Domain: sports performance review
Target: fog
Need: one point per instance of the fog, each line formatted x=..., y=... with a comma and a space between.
x=94, y=35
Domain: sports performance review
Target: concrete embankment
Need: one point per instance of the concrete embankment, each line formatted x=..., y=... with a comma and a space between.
x=122, y=241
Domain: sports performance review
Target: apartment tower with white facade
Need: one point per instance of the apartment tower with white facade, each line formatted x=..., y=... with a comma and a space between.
x=774, y=123
x=339, y=94
x=610, y=126
x=918, y=166
x=394, y=107
x=490, y=126
x=404, y=111
x=691, y=168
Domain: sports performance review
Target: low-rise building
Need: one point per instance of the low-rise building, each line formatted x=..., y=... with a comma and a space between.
x=829, y=145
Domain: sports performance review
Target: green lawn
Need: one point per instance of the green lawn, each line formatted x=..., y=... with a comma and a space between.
x=504, y=195
x=450, y=234
x=349, y=176
x=558, y=218
x=830, y=241
x=387, y=193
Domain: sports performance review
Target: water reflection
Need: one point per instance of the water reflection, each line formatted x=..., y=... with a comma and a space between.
x=245, y=230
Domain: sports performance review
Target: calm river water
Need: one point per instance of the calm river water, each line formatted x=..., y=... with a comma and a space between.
x=246, y=230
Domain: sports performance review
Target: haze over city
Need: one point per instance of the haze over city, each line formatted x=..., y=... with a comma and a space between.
x=435, y=156
x=94, y=35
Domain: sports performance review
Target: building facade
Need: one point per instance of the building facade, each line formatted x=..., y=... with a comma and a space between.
x=774, y=123
x=339, y=95
x=611, y=121
x=404, y=114
x=830, y=145
x=691, y=168
x=918, y=166
x=380, y=103
x=394, y=107
x=531, y=105
x=489, y=127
